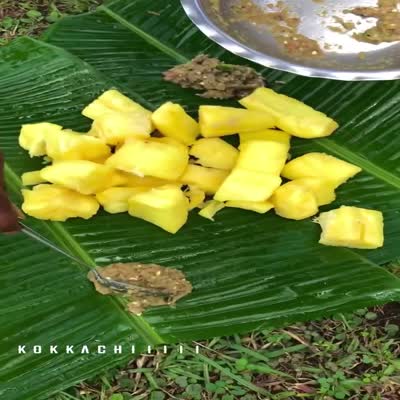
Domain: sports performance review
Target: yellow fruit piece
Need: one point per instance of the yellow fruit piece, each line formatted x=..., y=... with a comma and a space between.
x=266, y=134
x=210, y=209
x=32, y=137
x=172, y=121
x=196, y=197
x=292, y=116
x=112, y=100
x=165, y=206
x=116, y=127
x=320, y=165
x=353, y=227
x=263, y=156
x=115, y=200
x=207, y=179
x=324, y=190
x=69, y=145
x=121, y=178
x=294, y=201
x=163, y=158
x=32, y=178
x=260, y=207
x=56, y=203
x=85, y=177
x=244, y=185
x=220, y=121
x=215, y=153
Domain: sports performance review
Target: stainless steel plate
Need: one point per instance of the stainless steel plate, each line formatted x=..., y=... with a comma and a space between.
x=341, y=60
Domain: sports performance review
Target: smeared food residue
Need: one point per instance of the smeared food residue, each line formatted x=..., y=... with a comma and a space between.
x=161, y=285
x=214, y=78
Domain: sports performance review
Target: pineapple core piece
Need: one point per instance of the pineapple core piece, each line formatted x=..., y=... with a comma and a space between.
x=215, y=153
x=324, y=190
x=56, y=203
x=85, y=177
x=207, y=179
x=354, y=227
x=320, y=165
x=32, y=178
x=220, y=121
x=115, y=200
x=116, y=127
x=267, y=134
x=263, y=156
x=260, y=207
x=210, y=209
x=195, y=196
x=294, y=201
x=164, y=206
x=33, y=137
x=292, y=116
x=163, y=158
x=69, y=145
x=245, y=185
x=172, y=121
x=112, y=100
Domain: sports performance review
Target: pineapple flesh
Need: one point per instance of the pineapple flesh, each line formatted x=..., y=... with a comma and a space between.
x=165, y=206
x=294, y=201
x=172, y=121
x=320, y=165
x=214, y=153
x=69, y=145
x=260, y=207
x=163, y=158
x=266, y=134
x=33, y=137
x=115, y=200
x=121, y=178
x=207, y=179
x=56, y=203
x=245, y=185
x=292, y=116
x=210, y=209
x=83, y=176
x=352, y=227
x=220, y=121
x=195, y=196
x=324, y=190
x=32, y=178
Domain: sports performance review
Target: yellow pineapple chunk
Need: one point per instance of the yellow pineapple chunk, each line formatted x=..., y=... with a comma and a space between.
x=164, y=206
x=211, y=208
x=324, y=190
x=32, y=178
x=116, y=127
x=112, y=100
x=172, y=121
x=220, y=121
x=115, y=200
x=353, y=227
x=215, y=153
x=56, y=203
x=163, y=158
x=69, y=145
x=207, y=179
x=320, y=165
x=83, y=176
x=260, y=207
x=245, y=185
x=263, y=156
x=196, y=197
x=292, y=116
x=266, y=134
x=294, y=201
x=121, y=178
x=33, y=137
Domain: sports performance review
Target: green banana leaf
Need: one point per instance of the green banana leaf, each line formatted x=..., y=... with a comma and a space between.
x=248, y=271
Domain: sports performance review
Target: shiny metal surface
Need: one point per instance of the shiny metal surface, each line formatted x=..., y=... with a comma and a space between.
x=341, y=59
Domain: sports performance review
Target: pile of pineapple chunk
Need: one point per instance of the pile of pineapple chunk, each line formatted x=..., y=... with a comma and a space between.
x=159, y=165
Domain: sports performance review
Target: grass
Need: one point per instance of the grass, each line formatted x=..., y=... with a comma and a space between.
x=355, y=356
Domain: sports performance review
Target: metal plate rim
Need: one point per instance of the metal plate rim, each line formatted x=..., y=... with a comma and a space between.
x=199, y=18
